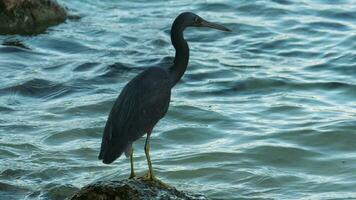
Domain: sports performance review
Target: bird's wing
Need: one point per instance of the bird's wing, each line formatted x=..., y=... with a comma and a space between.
x=142, y=102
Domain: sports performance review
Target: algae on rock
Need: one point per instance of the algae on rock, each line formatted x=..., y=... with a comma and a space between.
x=132, y=189
x=29, y=16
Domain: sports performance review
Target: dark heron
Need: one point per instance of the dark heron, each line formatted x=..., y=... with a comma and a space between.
x=145, y=99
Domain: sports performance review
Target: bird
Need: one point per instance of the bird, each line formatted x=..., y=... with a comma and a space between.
x=145, y=99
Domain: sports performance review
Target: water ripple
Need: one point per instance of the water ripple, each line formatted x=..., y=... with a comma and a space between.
x=38, y=88
x=260, y=113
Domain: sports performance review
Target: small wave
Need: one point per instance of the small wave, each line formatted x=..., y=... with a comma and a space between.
x=68, y=136
x=200, y=157
x=188, y=114
x=116, y=69
x=339, y=14
x=22, y=146
x=280, y=155
x=306, y=30
x=282, y=43
x=214, y=7
x=319, y=138
x=13, y=173
x=159, y=43
x=348, y=42
x=58, y=192
x=287, y=109
x=207, y=75
x=300, y=53
x=86, y=66
x=8, y=154
x=16, y=43
x=262, y=10
x=13, y=50
x=283, y=2
x=93, y=108
x=64, y=45
x=10, y=188
x=6, y=109
x=40, y=88
x=268, y=85
x=329, y=26
x=193, y=135
x=83, y=153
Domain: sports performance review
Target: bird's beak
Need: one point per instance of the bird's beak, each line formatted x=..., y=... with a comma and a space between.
x=215, y=26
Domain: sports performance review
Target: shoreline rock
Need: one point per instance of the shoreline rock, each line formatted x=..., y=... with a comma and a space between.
x=132, y=189
x=29, y=16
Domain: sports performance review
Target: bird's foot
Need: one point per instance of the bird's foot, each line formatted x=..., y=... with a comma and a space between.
x=148, y=177
x=132, y=176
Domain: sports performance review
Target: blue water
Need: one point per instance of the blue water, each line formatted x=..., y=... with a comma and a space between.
x=267, y=111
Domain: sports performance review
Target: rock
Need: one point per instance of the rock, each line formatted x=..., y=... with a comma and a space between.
x=29, y=16
x=132, y=189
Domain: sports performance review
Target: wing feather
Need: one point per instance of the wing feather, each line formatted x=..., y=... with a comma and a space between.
x=142, y=102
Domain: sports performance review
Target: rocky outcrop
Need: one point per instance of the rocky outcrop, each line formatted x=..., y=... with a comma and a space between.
x=29, y=16
x=132, y=189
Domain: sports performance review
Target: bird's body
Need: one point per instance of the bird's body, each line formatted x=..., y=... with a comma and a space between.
x=140, y=105
x=145, y=99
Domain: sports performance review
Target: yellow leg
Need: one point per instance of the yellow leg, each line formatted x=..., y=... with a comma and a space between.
x=151, y=175
x=132, y=175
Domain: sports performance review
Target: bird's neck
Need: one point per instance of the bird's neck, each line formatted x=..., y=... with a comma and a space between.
x=182, y=53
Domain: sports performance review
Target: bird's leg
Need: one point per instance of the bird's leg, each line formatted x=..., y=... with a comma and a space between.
x=150, y=175
x=132, y=175
x=147, y=152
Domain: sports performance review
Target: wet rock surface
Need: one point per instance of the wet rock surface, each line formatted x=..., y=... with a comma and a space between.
x=132, y=189
x=29, y=16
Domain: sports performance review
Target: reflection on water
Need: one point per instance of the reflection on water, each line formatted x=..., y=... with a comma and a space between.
x=267, y=111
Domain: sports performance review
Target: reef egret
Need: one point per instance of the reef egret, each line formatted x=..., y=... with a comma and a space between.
x=145, y=99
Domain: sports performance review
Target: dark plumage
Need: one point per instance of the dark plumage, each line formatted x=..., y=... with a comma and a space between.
x=145, y=99
x=142, y=102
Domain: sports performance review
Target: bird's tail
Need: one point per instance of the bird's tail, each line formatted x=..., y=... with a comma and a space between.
x=111, y=147
x=111, y=154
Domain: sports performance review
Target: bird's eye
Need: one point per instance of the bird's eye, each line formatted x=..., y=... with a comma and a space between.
x=196, y=19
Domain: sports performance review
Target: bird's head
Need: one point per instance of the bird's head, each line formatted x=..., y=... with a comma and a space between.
x=191, y=19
